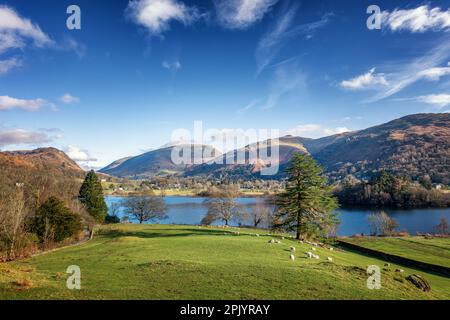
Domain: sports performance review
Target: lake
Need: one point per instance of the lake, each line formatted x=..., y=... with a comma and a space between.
x=191, y=210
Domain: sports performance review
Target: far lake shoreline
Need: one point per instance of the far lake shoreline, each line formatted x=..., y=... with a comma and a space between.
x=186, y=210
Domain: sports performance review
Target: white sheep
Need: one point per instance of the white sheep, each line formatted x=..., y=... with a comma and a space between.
x=313, y=249
x=292, y=249
x=316, y=257
x=292, y=257
x=330, y=259
x=331, y=249
x=309, y=255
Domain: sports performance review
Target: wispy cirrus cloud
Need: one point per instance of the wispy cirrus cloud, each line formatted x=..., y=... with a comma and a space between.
x=287, y=78
x=9, y=64
x=157, y=15
x=7, y=103
x=171, y=66
x=241, y=14
x=282, y=31
x=432, y=66
x=417, y=20
x=247, y=107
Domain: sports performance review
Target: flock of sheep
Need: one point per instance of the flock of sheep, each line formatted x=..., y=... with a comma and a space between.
x=309, y=254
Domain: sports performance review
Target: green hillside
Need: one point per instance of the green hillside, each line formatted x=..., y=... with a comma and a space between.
x=185, y=262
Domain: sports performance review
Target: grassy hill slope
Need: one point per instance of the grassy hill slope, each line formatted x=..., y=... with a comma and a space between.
x=435, y=251
x=183, y=262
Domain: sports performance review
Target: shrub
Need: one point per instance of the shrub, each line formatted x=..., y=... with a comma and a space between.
x=55, y=222
x=112, y=219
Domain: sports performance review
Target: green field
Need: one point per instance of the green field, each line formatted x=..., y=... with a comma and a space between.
x=435, y=251
x=183, y=262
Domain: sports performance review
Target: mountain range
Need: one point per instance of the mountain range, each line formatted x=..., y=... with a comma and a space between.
x=415, y=145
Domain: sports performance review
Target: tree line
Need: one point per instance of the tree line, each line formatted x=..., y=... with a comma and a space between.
x=388, y=190
x=42, y=210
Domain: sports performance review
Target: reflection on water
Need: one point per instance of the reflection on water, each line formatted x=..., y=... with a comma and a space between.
x=190, y=210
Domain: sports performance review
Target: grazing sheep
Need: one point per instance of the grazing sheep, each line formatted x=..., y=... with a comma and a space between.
x=399, y=270
x=292, y=249
x=271, y=241
x=330, y=259
x=257, y=235
x=315, y=256
x=387, y=264
x=313, y=249
x=292, y=257
x=309, y=255
x=301, y=242
x=331, y=249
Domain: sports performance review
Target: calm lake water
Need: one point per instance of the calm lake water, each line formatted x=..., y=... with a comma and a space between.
x=191, y=210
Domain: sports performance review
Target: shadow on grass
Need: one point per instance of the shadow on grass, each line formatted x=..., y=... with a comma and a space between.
x=163, y=233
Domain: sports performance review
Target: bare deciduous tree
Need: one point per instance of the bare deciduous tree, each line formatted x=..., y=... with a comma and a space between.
x=13, y=214
x=259, y=214
x=381, y=224
x=442, y=227
x=145, y=208
x=222, y=205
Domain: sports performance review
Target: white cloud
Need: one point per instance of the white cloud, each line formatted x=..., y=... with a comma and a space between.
x=172, y=66
x=14, y=29
x=69, y=99
x=7, y=103
x=282, y=32
x=435, y=74
x=315, y=131
x=156, y=15
x=23, y=137
x=438, y=100
x=419, y=19
x=368, y=80
x=79, y=155
x=15, y=32
x=241, y=14
x=9, y=64
x=425, y=67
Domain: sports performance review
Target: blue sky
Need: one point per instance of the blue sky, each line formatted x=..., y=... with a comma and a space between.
x=138, y=70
